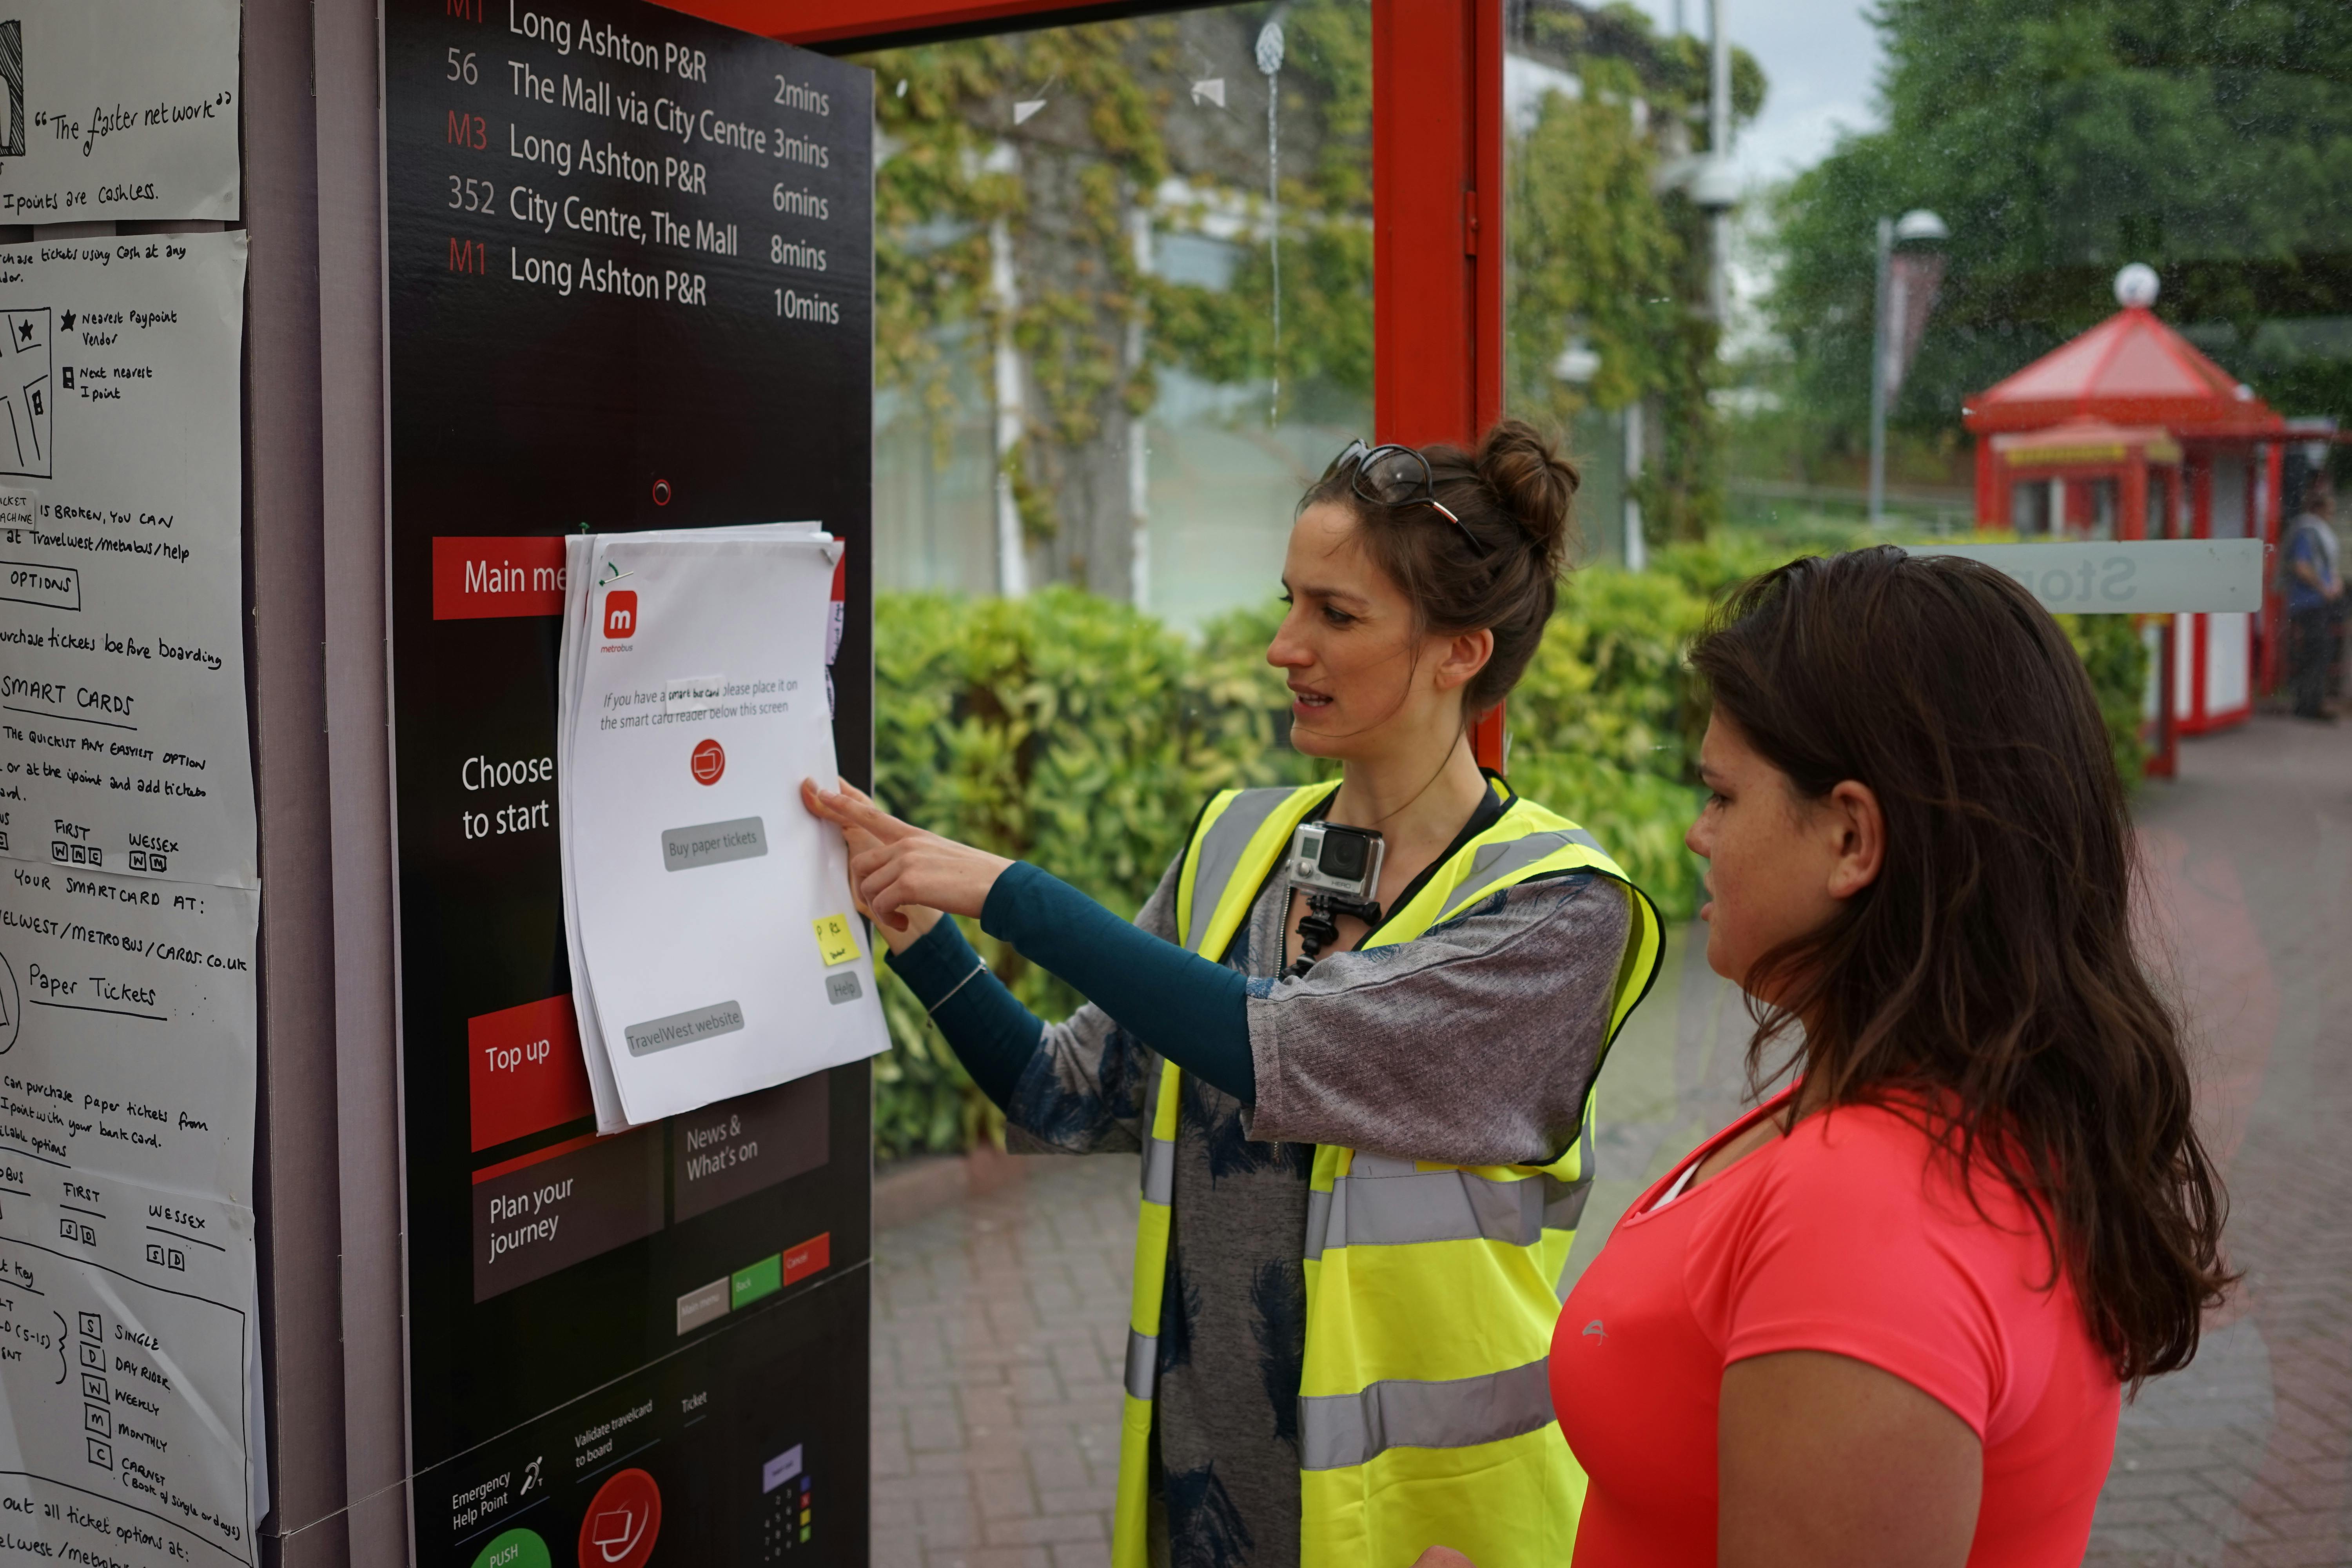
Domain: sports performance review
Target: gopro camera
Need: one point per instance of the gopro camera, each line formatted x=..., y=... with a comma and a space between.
x=1334, y=860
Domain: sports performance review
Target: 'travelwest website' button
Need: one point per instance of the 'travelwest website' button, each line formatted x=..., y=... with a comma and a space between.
x=680, y=1028
x=710, y=843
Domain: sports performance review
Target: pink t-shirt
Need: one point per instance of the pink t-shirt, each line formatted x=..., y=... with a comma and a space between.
x=1843, y=1237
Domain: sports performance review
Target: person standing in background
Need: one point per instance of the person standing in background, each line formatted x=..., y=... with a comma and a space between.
x=2314, y=599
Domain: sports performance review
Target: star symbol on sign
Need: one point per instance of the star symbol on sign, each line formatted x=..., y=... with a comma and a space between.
x=68, y=321
x=24, y=332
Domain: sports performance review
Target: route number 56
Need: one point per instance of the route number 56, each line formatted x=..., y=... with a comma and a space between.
x=463, y=69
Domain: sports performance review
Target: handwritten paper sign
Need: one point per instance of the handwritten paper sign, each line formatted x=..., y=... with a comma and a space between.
x=117, y=109
x=123, y=718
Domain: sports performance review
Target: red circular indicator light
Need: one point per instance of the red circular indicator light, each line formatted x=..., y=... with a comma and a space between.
x=709, y=761
x=623, y=1522
x=661, y=492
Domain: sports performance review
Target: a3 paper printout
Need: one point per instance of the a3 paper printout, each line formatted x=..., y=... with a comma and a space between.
x=714, y=947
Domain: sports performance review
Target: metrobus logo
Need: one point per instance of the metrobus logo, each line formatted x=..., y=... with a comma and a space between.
x=621, y=614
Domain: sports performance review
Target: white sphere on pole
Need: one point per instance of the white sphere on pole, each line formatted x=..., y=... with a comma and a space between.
x=2136, y=286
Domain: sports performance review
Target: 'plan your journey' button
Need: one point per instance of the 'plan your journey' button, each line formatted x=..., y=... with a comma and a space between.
x=678, y=1029
x=683, y=848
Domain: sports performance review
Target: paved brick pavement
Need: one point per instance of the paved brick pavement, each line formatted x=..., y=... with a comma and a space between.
x=1000, y=1329
x=1000, y=1322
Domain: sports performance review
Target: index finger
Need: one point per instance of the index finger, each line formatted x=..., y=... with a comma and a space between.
x=845, y=809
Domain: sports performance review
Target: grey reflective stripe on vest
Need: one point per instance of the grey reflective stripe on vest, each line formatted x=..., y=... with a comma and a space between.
x=1387, y=1203
x=1142, y=1361
x=1221, y=855
x=1159, y=1170
x=1492, y=862
x=1338, y=1430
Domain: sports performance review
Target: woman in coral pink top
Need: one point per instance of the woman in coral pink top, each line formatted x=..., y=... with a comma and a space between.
x=1888, y=1317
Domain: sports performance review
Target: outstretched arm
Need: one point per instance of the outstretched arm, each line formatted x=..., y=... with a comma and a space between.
x=1189, y=1009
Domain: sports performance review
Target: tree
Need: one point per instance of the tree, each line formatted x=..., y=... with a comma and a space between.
x=1606, y=249
x=2211, y=139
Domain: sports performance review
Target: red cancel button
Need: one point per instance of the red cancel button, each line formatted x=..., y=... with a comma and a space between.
x=483, y=578
x=525, y=1071
x=809, y=1258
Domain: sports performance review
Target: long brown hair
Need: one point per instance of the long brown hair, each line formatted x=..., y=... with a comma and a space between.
x=1990, y=972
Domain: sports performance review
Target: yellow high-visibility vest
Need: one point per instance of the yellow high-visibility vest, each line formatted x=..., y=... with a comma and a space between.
x=1424, y=1404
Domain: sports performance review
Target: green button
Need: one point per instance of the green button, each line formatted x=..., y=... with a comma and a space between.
x=761, y=1279
x=514, y=1549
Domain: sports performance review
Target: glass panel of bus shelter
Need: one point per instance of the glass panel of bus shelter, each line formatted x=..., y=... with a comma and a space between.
x=1124, y=317
x=1125, y=300
x=1609, y=342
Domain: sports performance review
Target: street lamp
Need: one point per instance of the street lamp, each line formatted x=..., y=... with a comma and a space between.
x=1918, y=227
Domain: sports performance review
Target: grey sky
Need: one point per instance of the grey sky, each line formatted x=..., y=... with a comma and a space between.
x=1821, y=60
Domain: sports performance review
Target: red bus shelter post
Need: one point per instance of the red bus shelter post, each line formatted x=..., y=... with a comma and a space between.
x=1437, y=218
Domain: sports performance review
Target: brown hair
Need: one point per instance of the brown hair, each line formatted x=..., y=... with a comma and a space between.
x=1988, y=975
x=1513, y=495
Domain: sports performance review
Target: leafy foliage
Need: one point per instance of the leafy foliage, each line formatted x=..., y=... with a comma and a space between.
x=2211, y=139
x=1605, y=247
x=1062, y=729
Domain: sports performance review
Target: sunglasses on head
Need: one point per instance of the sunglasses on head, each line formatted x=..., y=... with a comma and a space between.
x=1396, y=476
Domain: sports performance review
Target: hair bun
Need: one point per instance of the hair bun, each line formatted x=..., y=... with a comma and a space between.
x=1534, y=483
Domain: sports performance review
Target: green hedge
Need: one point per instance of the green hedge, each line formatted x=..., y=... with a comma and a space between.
x=1080, y=735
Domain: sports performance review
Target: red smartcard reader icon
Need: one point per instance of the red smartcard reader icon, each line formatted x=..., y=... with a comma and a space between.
x=623, y=1521
x=621, y=614
x=708, y=761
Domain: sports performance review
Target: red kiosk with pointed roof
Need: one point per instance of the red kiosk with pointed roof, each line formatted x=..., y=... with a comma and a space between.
x=2129, y=432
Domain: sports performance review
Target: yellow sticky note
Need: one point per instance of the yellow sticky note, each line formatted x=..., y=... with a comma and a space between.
x=835, y=940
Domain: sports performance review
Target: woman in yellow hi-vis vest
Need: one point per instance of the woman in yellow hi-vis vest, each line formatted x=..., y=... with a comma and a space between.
x=1353, y=1033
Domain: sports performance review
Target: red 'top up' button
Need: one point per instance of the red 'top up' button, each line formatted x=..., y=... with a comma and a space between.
x=524, y=1071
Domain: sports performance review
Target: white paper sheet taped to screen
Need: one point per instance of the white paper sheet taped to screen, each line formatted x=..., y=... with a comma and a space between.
x=714, y=949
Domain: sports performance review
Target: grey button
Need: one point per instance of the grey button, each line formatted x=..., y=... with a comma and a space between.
x=710, y=843
x=840, y=988
x=678, y=1029
x=697, y=1307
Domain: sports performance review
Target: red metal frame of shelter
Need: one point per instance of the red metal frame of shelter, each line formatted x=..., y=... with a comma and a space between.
x=2133, y=371
x=1437, y=188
